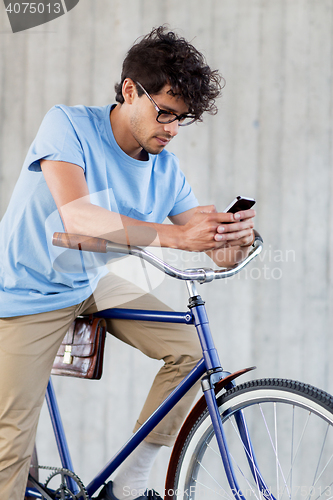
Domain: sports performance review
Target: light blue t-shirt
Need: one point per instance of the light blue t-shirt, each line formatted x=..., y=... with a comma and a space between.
x=35, y=276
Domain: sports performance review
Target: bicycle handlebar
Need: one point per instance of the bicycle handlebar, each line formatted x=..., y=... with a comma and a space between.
x=202, y=275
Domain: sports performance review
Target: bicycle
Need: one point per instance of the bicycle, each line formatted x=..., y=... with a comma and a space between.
x=265, y=439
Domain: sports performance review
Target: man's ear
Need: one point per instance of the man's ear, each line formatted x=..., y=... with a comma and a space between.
x=129, y=90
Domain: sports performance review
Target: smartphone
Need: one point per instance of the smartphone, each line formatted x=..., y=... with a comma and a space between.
x=240, y=203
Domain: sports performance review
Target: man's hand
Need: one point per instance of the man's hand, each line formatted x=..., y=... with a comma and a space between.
x=240, y=231
x=207, y=229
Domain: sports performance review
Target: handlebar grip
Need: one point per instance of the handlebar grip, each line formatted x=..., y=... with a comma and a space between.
x=79, y=242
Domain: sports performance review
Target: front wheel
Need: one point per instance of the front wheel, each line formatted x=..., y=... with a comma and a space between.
x=280, y=439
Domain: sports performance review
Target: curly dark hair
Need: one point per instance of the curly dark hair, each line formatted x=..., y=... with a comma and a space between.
x=161, y=58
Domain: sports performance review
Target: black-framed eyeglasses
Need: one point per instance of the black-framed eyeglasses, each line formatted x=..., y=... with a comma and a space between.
x=164, y=116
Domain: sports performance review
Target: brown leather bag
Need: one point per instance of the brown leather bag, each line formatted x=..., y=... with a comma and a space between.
x=82, y=350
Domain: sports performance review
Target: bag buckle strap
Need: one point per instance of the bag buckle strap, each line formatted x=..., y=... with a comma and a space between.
x=68, y=358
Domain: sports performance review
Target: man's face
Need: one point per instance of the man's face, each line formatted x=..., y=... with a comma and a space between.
x=151, y=135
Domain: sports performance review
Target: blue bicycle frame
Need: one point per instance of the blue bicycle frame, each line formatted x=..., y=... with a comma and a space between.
x=208, y=369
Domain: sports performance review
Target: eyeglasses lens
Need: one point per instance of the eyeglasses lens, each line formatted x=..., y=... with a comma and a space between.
x=169, y=118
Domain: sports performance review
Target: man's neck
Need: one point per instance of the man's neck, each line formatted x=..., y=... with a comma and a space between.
x=123, y=136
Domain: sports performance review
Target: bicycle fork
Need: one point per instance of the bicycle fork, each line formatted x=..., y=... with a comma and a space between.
x=213, y=375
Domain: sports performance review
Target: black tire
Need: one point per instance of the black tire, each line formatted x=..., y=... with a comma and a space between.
x=291, y=429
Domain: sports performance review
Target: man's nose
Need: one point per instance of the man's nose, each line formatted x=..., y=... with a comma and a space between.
x=172, y=128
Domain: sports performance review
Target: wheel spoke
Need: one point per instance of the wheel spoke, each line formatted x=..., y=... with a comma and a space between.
x=298, y=446
x=227, y=496
x=213, y=478
x=236, y=463
x=213, y=450
x=247, y=480
x=278, y=465
x=292, y=448
x=315, y=481
x=251, y=458
x=276, y=453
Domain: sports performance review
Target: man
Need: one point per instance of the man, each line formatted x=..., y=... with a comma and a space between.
x=104, y=171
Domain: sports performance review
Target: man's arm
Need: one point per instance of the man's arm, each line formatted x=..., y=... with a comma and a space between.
x=194, y=230
x=67, y=184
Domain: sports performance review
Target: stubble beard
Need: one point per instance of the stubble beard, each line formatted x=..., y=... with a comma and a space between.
x=139, y=134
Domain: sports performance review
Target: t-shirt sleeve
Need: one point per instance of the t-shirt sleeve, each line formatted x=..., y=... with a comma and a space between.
x=56, y=140
x=185, y=199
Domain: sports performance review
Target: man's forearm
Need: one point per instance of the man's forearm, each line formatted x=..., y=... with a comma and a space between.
x=84, y=218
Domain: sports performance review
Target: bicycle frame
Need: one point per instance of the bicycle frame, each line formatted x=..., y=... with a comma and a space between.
x=209, y=364
x=208, y=369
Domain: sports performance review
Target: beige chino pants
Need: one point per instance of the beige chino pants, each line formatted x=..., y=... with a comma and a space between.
x=28, y=345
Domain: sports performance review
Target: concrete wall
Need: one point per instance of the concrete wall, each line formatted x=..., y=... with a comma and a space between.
x=272, y=139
